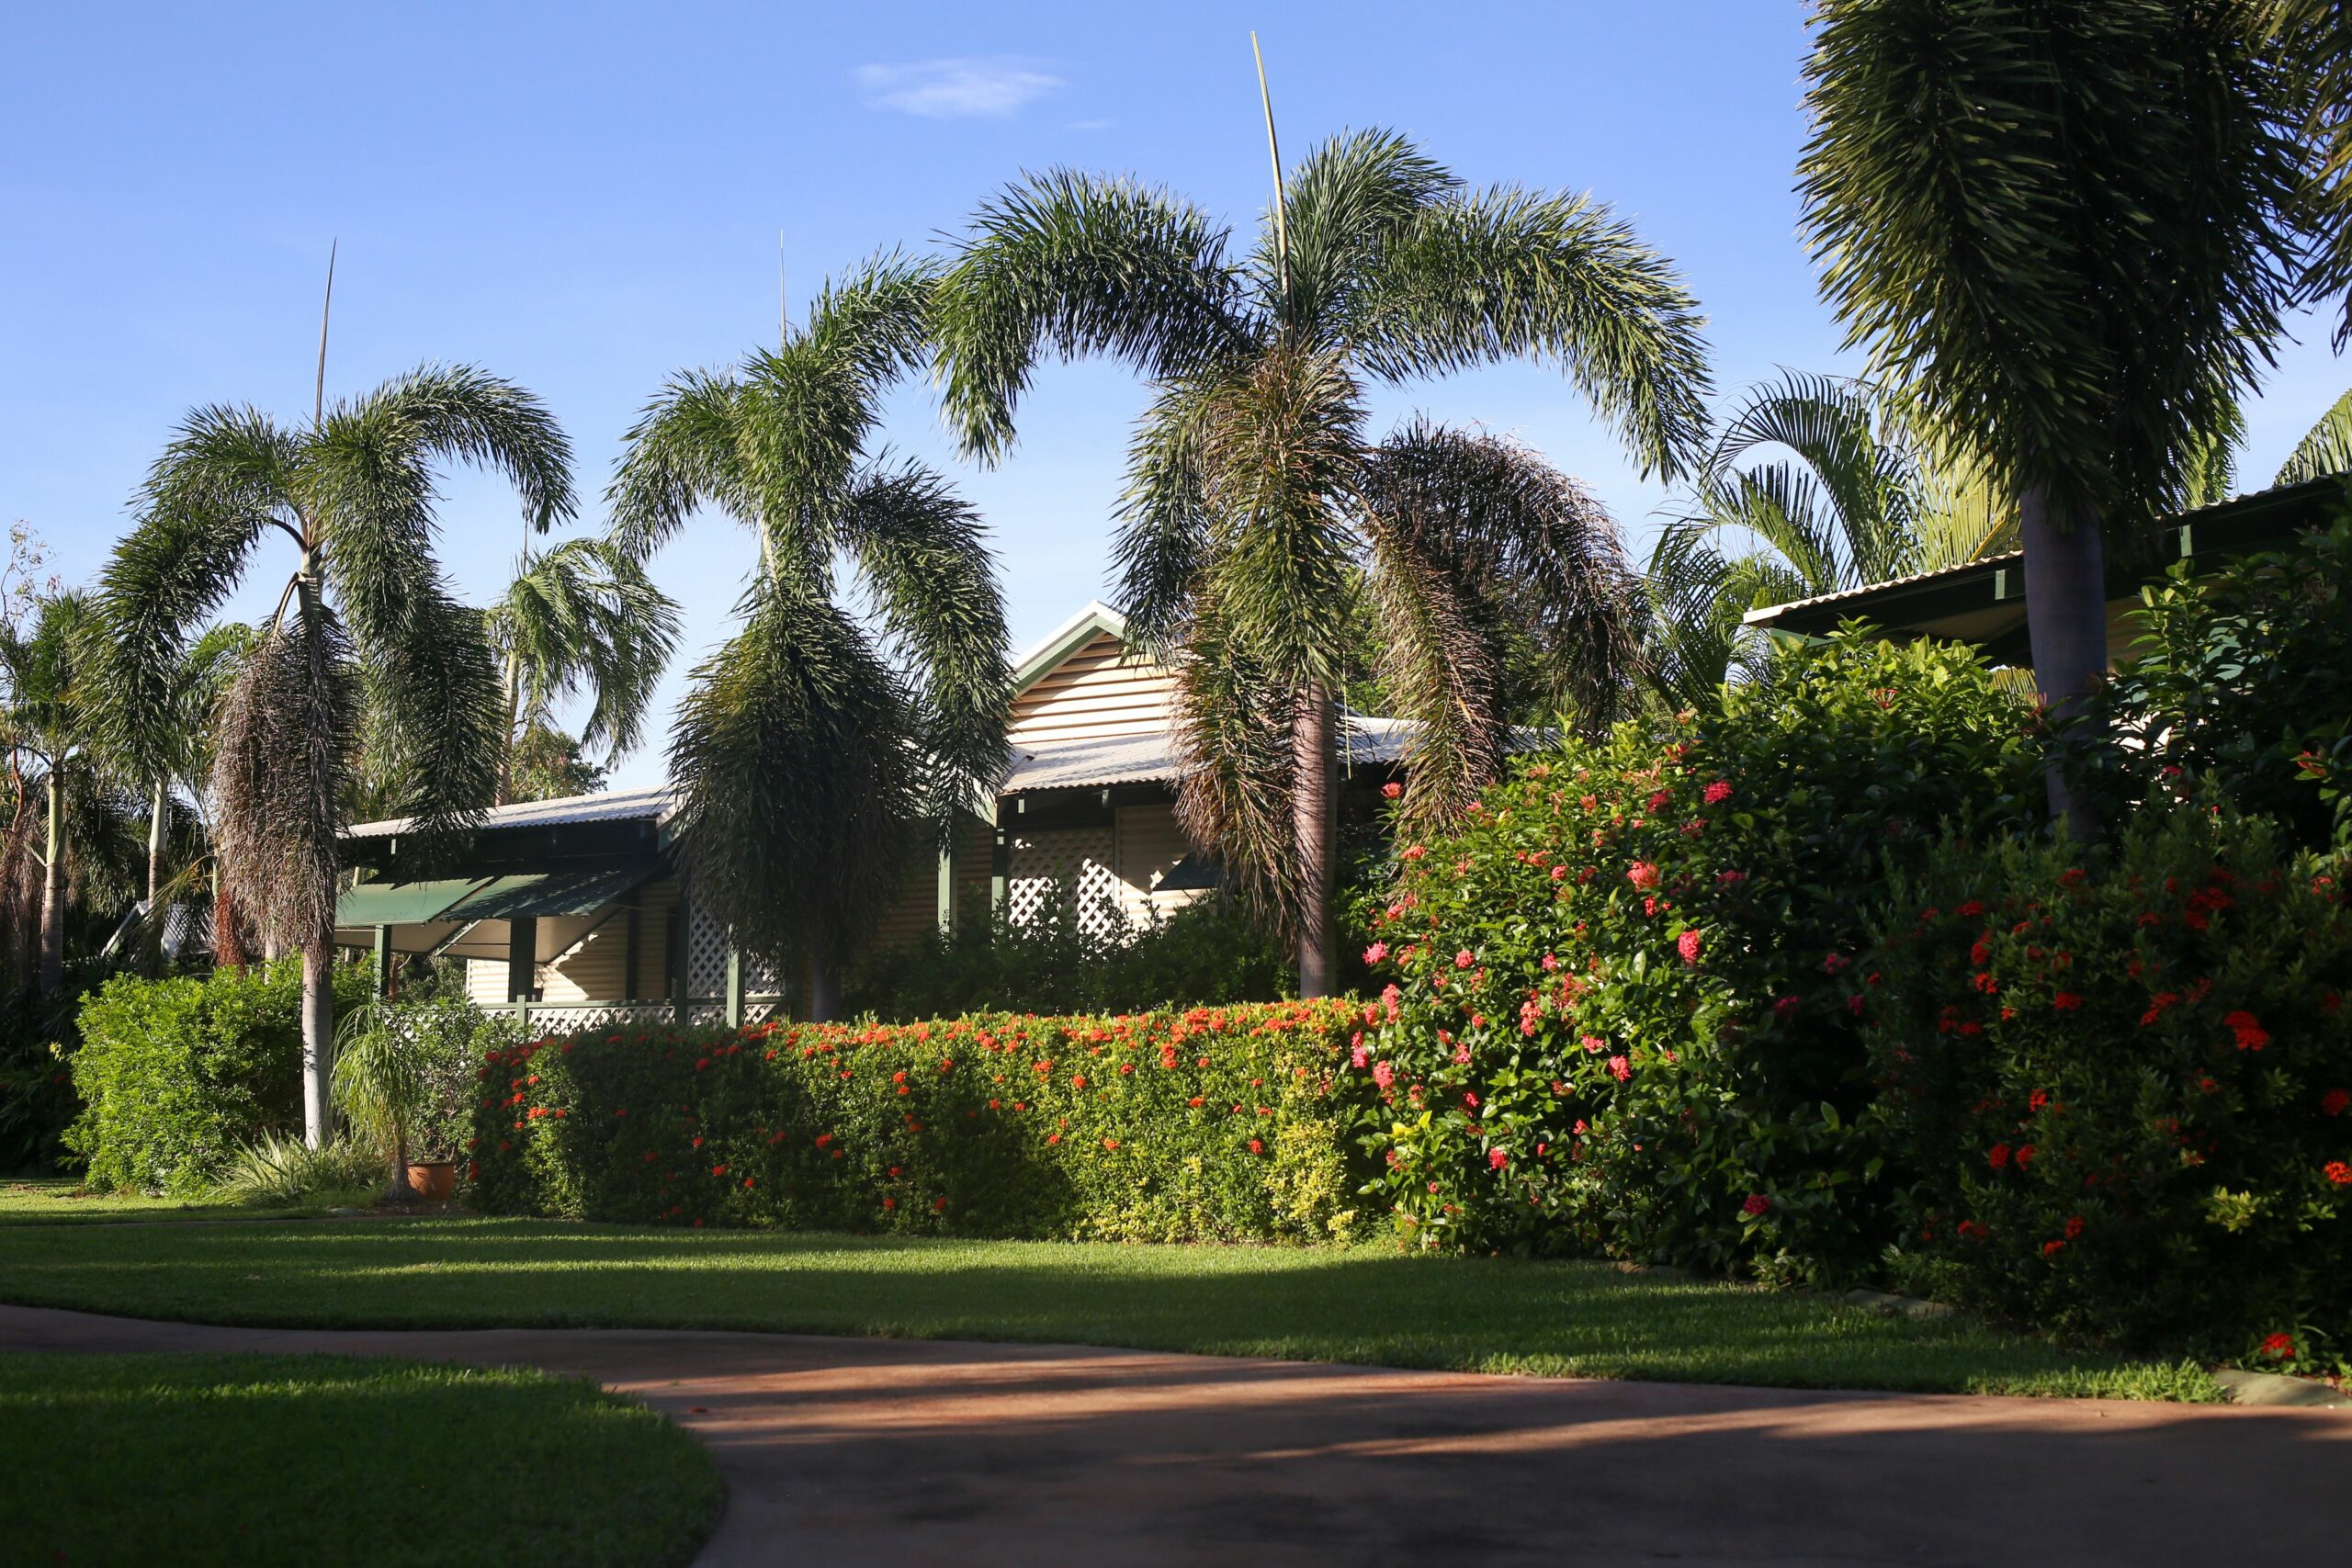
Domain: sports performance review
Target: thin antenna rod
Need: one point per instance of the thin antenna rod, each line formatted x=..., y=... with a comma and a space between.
x=783, y=299
x=319, y=390
x=1274, y=151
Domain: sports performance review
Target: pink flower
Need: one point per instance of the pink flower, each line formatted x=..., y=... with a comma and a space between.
x=1786, y=1008
x=1382, y=1074
x=1717, y=792
x=1643, y=875
x=1594, y=1044
x=1389, y=996
x=1688, y=945
x=1391, y=791
x=1497, y=1159
x=1757, y=1204
x=1620, y=1068
x=1551, y=962
x=1464, y=959
x=1375, y=953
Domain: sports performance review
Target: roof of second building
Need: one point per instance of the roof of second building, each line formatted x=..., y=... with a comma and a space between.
x=1096, y=762
x=653, y=805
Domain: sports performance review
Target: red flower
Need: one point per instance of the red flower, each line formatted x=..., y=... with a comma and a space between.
x=2075, y=1227
x=1717, y=792
x=1497, y=1158
x=939, y=1205
x=1756, y=1203
x=2334, y=1101
x=2025, y=1155
x=2251, y=1035
x=889, y=1203
x=1391, y=791
x=1997, y=1157
x=1688, y=945
x=2279, y=1346
x=1464, y=959
x=1256, y=1147
x=2052, y=1248
x=1110, y=1143
x=1643, y=874
x=2066, y=1001
x=1620, y=1069
x=2335, y=1170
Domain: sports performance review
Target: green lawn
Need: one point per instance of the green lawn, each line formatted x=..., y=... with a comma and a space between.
x=62, y=1200
x=303, y=1461
x=1336, y=1304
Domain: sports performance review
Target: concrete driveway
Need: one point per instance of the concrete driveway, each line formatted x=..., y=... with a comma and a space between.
x=870, y=1452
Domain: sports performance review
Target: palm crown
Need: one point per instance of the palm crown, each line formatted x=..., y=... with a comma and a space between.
x=1257, y=508
x=808, y=751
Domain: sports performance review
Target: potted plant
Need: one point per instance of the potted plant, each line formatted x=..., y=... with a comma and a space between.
x=381, y=1084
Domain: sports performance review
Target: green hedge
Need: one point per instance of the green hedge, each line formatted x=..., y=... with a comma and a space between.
x=176, y=1074
x=1615, y=1027
x=1217, y=1124
x=2124, y=1084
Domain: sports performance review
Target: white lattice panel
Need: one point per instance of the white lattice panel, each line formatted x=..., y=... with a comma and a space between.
x=587, y=1020
x=706, y=955
x=1077, y=864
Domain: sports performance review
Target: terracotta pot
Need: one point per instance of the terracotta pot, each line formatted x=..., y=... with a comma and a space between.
x=436, y=1180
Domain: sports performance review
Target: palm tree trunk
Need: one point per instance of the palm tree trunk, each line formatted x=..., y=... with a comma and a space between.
x=153, y=945
x=2066, y=617
x=506, y=748
x=821, y=1001
x=52, y=894
x=228, y=943
x=318, y=1037
x=1313, y=798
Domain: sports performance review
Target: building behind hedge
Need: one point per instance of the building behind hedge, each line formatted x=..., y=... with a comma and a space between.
x=575, y=910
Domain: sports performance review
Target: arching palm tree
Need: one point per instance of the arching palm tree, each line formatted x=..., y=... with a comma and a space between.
x=2325, y=448
x=1813, y=484
x=1257, y=500
x=583, y=614
x=365, y=641
x=806, y=755
x=2079, y=284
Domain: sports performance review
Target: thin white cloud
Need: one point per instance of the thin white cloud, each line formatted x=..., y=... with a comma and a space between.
x=955, y=89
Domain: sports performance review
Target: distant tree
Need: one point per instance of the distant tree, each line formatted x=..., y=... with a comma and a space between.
x=50, y=718
x=367, y=642
x=2067, y=229
x=1257, y=500
x=545, y=763
x=806, y=759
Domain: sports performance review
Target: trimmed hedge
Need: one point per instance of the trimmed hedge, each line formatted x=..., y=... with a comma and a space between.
x=175, y=1075
x=1214, y=1124
x=2123, y=1082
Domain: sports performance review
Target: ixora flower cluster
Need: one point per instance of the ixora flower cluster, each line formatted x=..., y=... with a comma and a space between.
x=1620, y=1015
x=1222, y=1123
x=2125, y=1090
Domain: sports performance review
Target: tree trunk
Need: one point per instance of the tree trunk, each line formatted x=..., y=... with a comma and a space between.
x=318, y=1038
x=52, y=894
x=402, y=1193
x=1314, y=797
x=153, y=945
x=2066, y=617
x=228, y=942
x=822, y=998
x=514, y=707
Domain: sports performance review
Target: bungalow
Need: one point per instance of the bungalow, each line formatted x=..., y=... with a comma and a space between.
x=574, y=912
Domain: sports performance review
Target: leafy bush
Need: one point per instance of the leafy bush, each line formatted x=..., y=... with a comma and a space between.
x=284, y=1170
x=1211, y=1124
x=405, y=1072
x=2236, y=684
x=1614, y=1026
x=176, y=1074
x=2123, y=1085
x=1076, y=958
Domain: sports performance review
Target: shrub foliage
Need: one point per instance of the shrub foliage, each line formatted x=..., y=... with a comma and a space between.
x=1616, y=1023
x=2124, y=1089
x=1211, y=1124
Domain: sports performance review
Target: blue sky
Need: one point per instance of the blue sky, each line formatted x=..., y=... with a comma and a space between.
x=585, y=198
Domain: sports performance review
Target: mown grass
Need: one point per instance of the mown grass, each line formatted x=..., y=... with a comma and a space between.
x=64, y=1201
x=1368, y=1306
x=262, y=1461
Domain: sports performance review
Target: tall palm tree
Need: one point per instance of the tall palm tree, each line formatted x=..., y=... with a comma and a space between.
x=2079, y=284
x=581, y=615
x=367, y=641
x=1813, y=484
x=2311, y=40
x=49, y=717
x=808, y=751
x=1256, y=498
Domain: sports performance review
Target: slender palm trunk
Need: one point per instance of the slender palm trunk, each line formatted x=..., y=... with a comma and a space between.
x=1314, y=799
x=2065, y=615
x=155, y=942
x=822, y=985
x=318, y=1038
x=52, y=894
x=514, y=706
x=228, y=942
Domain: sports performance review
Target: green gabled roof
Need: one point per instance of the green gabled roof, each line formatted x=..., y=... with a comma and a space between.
x=1097, y=619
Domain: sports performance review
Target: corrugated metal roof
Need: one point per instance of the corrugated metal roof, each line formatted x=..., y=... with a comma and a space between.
x=619, y=806
x=1152, y=758
x=1766, y=613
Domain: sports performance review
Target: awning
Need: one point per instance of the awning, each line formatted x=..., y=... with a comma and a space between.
x=403, y=903
x=542, y=895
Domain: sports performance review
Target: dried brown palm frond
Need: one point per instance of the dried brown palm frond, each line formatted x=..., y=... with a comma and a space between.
x=280, y=775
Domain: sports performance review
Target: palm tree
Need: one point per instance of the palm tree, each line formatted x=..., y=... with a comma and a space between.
x=2313, y=44
x=807, y=752
x=1813, y=484
x=2325, y=448
x=1256, y=500
x=367, y=643
x=584, y=614
x=49, y=717
x=2077, y=285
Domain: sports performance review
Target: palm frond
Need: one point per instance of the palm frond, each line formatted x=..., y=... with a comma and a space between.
x=282, y=771
x=1070, y=265
x=1236, y=796
x=1342, y=202
x=2325, y=448
x=1505, y=273
x=685, y=451
x=457, y=413
x=1165, y=524
x=584, y=614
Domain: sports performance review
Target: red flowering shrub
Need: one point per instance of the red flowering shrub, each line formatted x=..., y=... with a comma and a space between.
x=1214, y=1124
x=2120, y=1084
x=1625, y=970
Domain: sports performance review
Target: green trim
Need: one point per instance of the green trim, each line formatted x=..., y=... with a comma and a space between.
x=1096, y=620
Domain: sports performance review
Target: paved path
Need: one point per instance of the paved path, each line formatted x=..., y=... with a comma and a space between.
x=882, y=1453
